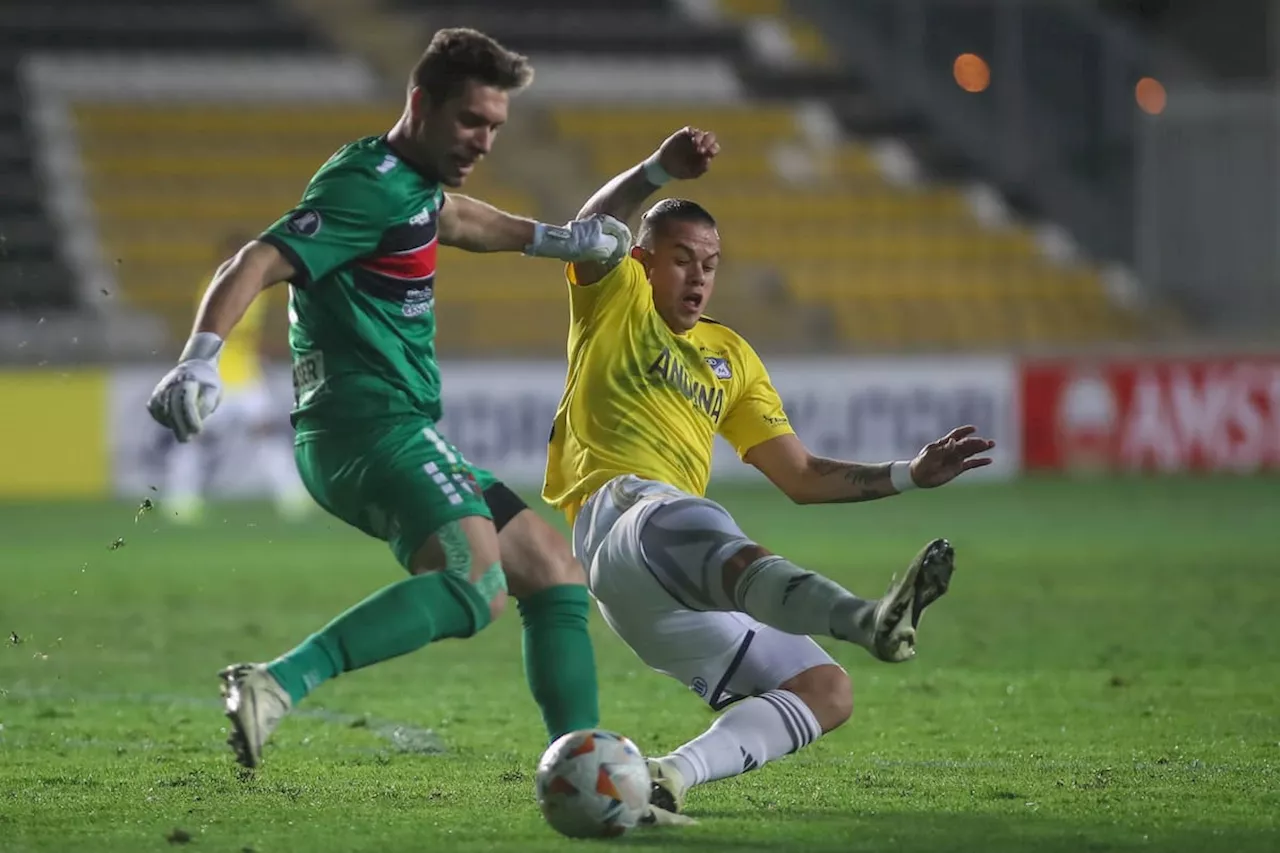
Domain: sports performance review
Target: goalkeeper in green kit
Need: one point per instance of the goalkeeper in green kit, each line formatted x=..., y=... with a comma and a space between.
x=359, y=252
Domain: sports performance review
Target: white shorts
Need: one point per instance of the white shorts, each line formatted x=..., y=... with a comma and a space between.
x=721, y=656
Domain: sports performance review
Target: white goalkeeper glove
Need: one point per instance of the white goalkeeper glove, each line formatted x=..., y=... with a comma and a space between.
x=190, y=392
x=599, y=237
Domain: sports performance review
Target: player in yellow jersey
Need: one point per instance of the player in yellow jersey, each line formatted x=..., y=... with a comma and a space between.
x=651, y=381
x=248, y=415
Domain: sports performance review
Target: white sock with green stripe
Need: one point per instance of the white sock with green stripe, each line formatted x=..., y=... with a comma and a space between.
x=752, y=732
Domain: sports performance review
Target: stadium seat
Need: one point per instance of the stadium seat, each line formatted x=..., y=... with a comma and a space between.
x=820, y=230
x=887, y=266
x=170, y=183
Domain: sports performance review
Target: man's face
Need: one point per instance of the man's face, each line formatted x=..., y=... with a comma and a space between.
x=451, y=137
x=681, y=266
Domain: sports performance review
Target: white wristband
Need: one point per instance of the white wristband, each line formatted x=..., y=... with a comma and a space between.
x=205, y=346
x=653, y=171
x=900, y=476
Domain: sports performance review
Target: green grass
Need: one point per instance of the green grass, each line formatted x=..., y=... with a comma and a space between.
x=1105, y=675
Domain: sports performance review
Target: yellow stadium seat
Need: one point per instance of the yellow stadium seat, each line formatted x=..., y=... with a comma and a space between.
x=879, y=266
x=880, y=259
x=650, y=125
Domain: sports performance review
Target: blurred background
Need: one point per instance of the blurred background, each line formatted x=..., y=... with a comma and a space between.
x=1057, y=219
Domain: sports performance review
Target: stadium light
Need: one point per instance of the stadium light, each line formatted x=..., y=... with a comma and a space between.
x=1151, y=96
x=972, y=72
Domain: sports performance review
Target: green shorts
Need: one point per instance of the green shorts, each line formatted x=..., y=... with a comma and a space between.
x=397, y=480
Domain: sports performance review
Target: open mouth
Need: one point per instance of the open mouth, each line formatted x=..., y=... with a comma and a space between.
x=692, y=301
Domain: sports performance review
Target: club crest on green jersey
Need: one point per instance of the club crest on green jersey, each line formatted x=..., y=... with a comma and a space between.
x=305, y=223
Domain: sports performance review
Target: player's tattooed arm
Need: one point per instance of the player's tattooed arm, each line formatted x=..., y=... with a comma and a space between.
x=474, y=226
x=836, y=481
x=810, y=479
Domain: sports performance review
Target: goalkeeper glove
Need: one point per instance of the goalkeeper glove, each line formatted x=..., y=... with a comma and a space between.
x=600, y=238
x=191, y=391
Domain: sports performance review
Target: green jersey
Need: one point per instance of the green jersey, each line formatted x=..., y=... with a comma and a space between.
x=362, y=304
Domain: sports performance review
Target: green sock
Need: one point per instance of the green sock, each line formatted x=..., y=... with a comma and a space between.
x=559, y=661
x=395, y=620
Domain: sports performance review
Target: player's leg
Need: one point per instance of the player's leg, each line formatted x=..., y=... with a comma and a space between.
x=455, y=589
x=550, y=589
x=700, y=555
x=412, y=489
x=781, y=691
x=668, y=570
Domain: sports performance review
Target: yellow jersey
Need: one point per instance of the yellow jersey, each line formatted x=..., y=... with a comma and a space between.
x=239, y=365
x=641, y=399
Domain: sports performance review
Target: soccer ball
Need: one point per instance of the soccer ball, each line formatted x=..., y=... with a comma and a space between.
x=592, y=784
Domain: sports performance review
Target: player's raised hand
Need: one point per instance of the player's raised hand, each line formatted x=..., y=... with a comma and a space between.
x=687, y=153
x=943, y=460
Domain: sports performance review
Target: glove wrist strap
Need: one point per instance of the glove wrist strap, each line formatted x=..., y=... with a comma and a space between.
x=548, y=241
x=202, y=346
x=900, y=476
x=653, y=171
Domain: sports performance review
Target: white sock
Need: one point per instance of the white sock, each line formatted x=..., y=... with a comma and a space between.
x=752, y=732
x=785, y=596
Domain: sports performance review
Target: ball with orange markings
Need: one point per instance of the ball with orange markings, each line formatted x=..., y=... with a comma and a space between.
x=592, y=784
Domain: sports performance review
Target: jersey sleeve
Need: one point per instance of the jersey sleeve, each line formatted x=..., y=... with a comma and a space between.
x=757, y=414
x=625, y=284
x=341, y=217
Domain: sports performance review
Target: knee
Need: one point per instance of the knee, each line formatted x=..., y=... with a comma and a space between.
x=467, y=551
x=491, y=585
x=827, y=691
x=497, y=604
x=536, y=557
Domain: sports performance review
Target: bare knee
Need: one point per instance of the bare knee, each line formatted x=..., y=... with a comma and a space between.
x=827, y=691
x=739, y=563
x=497, y=605
x=467, y=548
x=535, y=556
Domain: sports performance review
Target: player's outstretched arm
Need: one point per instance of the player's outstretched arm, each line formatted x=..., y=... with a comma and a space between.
x=191, y=391
x=810, y=479
x=235, y=285
x=474, y=226
x=684, y=155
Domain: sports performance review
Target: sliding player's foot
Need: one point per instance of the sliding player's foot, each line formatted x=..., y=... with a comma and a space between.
x=668, y=787
x=666, y=797
x=255, y=704
x=898, y=613
x=937, y=562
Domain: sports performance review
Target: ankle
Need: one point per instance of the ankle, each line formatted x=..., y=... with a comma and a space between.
x=683, y=768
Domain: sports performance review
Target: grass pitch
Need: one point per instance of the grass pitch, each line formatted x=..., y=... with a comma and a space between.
x=1104, y=675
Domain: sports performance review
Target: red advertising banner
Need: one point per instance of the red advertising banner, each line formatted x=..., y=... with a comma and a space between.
x=1214, y=414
